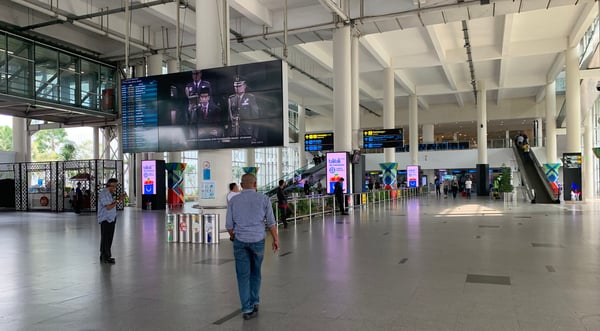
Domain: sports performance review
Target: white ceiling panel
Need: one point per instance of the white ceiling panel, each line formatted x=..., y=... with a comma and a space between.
x=434, y=17
x=456, y=14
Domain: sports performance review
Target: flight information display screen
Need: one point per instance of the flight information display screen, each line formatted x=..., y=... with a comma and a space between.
x=242, y=106
x=383, y=138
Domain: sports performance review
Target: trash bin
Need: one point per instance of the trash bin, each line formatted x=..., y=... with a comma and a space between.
x=184, y=228
x=171, y=233
x=196, y=229
x=211, y=228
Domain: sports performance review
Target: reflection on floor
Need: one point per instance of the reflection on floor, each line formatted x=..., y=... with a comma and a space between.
x=421, y=264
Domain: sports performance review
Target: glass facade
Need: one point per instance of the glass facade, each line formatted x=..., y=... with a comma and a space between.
x=40, y=72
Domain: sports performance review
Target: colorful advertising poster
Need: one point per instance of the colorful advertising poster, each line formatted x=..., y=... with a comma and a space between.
x=207, y=190
x=337, y=168
x=412, y=175
x=149, y=177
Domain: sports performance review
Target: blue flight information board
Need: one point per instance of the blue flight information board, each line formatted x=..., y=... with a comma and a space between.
x=140, y=114
x=318, y=141
x=383, y=138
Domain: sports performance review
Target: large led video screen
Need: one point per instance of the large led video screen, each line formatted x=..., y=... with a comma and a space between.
x=228, y=107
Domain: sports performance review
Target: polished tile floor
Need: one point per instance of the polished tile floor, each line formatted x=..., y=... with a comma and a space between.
x=421, y=264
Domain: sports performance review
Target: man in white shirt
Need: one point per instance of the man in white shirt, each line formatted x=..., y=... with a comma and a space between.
x=234, y=190
x=468, y=185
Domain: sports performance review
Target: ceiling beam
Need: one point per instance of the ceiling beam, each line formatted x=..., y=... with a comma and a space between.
x=254, y=11
x=588, y=14
x=441, y=54
x=505, y=52
x=335, y=9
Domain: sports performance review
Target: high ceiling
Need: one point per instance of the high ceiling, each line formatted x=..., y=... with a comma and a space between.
x=516, y=47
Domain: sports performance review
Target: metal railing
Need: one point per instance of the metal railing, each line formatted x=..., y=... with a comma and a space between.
x=317, y=206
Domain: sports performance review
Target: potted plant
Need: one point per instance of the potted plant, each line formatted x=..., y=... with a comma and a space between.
x=505, y=182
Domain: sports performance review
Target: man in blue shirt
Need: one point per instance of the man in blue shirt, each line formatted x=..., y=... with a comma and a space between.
x=107, y=218
x=245, y=222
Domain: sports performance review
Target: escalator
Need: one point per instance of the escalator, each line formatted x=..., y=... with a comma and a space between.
x=534, y=179
x=297, y=179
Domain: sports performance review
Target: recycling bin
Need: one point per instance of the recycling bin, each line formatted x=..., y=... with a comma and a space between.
x=211, y=228
x=196, y=234
x=184, y=227
x=170, y=226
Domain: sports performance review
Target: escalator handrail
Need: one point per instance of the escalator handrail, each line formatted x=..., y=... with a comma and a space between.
x=523, y=173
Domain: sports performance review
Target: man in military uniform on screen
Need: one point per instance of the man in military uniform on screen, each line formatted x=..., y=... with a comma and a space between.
x=243, y=112
x=192, y=91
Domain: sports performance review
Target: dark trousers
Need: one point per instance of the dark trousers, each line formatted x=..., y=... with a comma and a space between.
x=284, y=210
x=340, y=202
x=107, y=231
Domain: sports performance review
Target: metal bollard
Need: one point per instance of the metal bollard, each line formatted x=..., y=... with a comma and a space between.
x=196, y=229
x=211, y=228
x=184, y=228
x=170, y=225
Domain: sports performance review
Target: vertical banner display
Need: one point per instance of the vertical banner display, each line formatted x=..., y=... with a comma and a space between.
x=389, y=174
x=572, y=176
x=175, y=195
x=153, y=184
x=412, y=176
x=337, y=168
x=149, y=177
x=551, y=171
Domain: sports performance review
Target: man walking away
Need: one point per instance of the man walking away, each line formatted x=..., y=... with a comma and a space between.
x=245, y=223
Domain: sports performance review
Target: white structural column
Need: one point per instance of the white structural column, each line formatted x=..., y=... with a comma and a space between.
x=173, y=67
x=280, y=163
x=355, y=93
x=301, y=133
x=210, y=26
x=539, y=139
x=482, y=157
x=588, y=159
x=155, y=64
x=413, y=128
x=21, y=140
x=96, y=142
x=551, y=123
x=573, y=101
x=341, y=89
x=389, y=119
x=106, y=143
x=428, y=135
x=212, y=33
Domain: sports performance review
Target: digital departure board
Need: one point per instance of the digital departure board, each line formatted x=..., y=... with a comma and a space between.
x=318, y=141
x=383, y=138
x=241, y=106
x=140, y=114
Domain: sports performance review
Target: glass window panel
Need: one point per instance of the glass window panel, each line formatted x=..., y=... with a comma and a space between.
x=19, y=67
x=20, y=48
x=69, y=78
x=46, y=73
x=3, y=82
x=19, y=73
x=90, y=73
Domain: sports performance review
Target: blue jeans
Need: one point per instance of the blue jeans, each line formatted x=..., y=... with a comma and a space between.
x=248, y=259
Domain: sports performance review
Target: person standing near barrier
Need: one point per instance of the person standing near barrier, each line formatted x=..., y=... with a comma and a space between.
x=338, y=192
x=107, y=218
x=245, y=223
x=282, y=203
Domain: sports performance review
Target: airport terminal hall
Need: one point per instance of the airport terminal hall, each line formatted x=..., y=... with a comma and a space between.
x=300, y=165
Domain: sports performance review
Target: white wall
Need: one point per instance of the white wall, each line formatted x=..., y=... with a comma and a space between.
x=7, y=157
x=448, y=159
